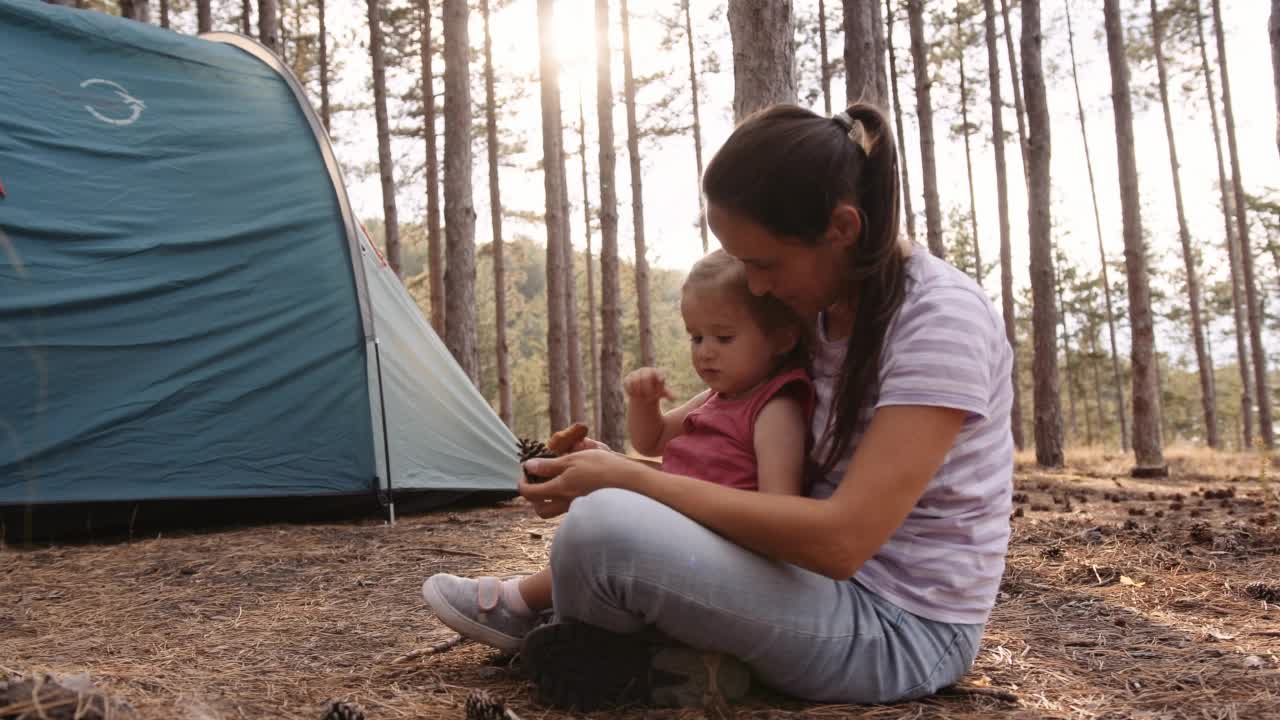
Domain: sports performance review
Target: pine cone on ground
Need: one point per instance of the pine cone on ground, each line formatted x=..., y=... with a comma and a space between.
x=342, y=710
x=481, y=705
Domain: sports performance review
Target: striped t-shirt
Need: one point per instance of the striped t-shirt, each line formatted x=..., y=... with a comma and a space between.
x=946, y=348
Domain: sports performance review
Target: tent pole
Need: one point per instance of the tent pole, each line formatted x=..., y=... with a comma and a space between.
x=386, y=439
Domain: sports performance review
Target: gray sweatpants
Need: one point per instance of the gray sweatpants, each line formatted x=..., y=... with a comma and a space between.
x=622, y=561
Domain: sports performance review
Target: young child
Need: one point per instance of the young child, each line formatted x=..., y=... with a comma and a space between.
x=749, y=430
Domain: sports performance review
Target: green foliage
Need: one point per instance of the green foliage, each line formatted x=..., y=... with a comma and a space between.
x=525, y=277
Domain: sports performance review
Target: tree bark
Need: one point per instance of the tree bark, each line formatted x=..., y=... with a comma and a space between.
x=164, y=14
x=495, y=222
x=1044, y=315
x=643, y=299
x=459, y=205
x=139, y=10
x=1068, y=367
x=1147, y=444
x=1019, y=108
x=897, y=119
x=1233, y=248
x=763, y=54
x=204, y=16
x=591, y=279
x=269, y=25
x=246, y=17
x=1261, y=383
x=864, y=70
x=573, y=341
x=552, y=158
x=324, y=65
x=1208, y=402
x=613, y=420
x=1118, y=380
x=924, y=112
x=385, y=168
x=968, y=156
x=1273, y=29
x=697, y=125
x=826, y=63
x=435, y=244
x=1002, y=204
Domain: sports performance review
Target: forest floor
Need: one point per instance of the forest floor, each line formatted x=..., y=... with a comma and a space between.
x=1122, y=599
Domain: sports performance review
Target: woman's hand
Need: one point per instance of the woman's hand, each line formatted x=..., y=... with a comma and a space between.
x=574, y=475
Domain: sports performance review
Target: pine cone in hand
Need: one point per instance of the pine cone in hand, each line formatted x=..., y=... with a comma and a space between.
x=560, y=443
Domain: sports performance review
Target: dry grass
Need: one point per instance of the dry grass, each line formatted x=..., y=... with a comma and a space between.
x=1120, y=601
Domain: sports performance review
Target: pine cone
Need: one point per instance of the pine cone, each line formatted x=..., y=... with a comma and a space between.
x=342, y=710
x=483, y=706
x=530, y=449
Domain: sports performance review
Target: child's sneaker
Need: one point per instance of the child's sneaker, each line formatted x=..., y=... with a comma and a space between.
x=477, y=609
x=579, y=666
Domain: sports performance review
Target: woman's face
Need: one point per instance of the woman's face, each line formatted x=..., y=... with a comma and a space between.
x=807, y=277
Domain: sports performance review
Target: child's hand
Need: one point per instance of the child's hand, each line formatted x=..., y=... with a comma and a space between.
x=646, y=385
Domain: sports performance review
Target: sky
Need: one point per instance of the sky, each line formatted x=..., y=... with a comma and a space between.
x=669, y=175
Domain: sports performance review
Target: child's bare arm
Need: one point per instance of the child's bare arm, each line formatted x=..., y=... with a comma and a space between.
x=780, y=434
x=649, y=428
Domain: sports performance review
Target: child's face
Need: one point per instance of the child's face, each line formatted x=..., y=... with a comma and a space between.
x=730, y=351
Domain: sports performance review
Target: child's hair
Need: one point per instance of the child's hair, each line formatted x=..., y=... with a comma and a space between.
x=720, y=272
x=786, y=169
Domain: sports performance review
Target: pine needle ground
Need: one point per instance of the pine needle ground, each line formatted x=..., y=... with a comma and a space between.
x=1122, y=599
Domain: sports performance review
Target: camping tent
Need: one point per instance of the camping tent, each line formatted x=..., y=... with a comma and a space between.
x=188, y=307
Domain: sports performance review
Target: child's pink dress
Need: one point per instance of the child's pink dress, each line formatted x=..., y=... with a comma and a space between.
x=718, y=442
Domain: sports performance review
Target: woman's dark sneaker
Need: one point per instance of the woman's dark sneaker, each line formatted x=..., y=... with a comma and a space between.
x=582, y=667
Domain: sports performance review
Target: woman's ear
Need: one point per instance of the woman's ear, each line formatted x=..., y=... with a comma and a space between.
x=845, y=227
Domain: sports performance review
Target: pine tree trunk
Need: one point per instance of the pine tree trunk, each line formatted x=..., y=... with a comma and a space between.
x=825, y=59
x=1097, y=382
x=1067, y=366
x=552, y=158
x=637, y=191
x=1002, y=203
x=763, y=54
x=697, y=120
x=1208, y=402
x=435, y=244
x=613, y=420
x=1118, y=379
x=1273, y=29
x=269, y=26
x=591, y=279
x=139, y=10
x=897, y=119
x=324, y=64
x=246, y=18
x=968, y=157
x=924, y=113
x=385, y=167
x=1147, y=444
x=577, y=389
x=864, y=71
x=1233, y=248
x=1019, y=108
x=495, y=221
x=1261, y=384
x=1044, y=316
x=164, y=14
x=204, y=16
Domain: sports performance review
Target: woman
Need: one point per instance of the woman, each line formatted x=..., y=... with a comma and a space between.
x=876, y=587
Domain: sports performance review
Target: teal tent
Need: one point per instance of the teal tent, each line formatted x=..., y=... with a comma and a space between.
x=188, y=308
